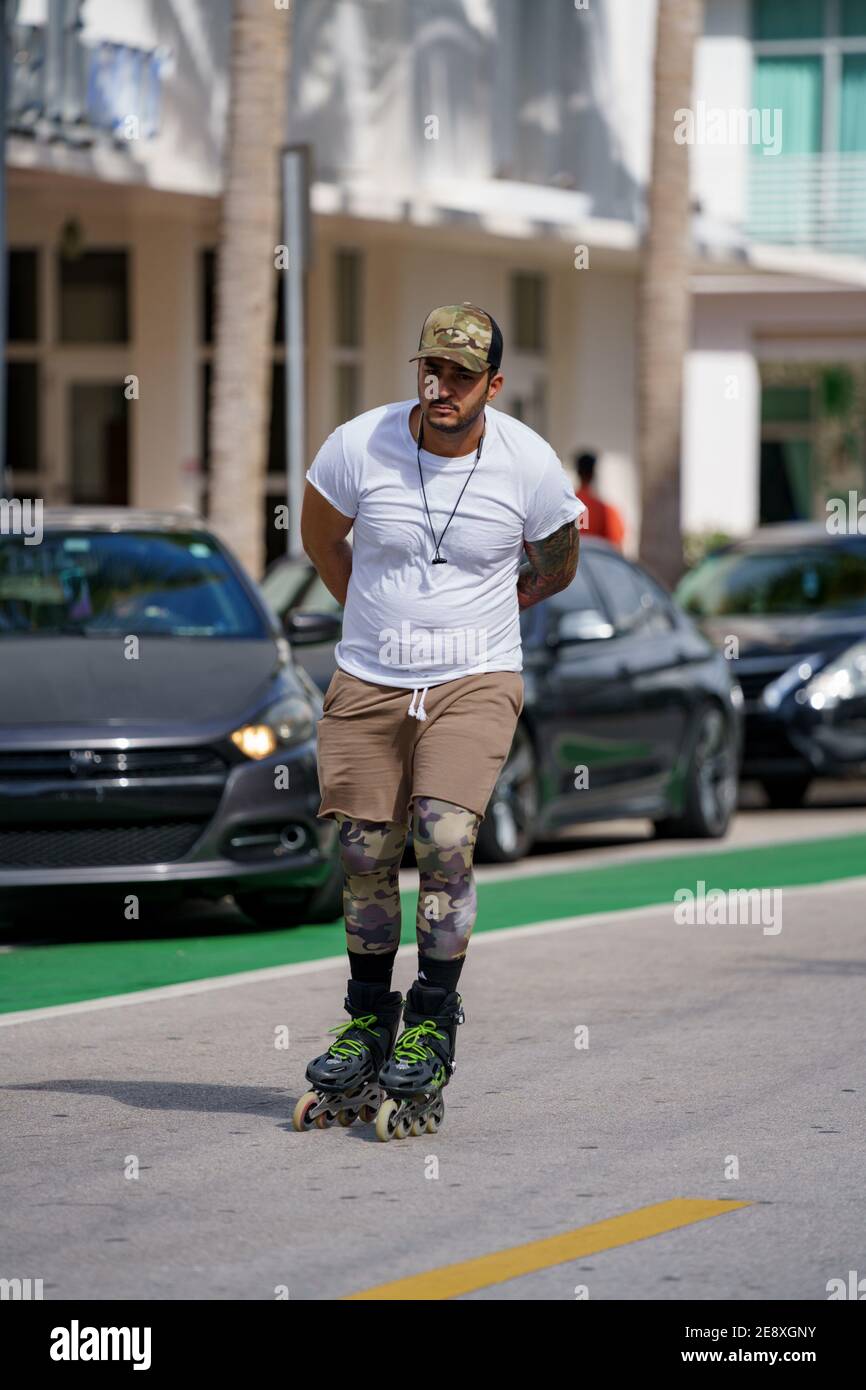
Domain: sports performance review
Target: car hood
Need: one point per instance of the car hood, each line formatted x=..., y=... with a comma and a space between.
x=70, y=681
x=771, y=636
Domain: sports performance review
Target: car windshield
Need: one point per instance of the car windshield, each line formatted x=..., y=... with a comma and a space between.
x=111, y=583
x=284, y=585
x=775, y=581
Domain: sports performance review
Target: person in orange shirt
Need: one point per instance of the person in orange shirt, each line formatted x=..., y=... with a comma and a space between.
x=601, y=518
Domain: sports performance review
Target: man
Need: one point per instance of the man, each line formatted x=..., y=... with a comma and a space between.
x=444, y=495
x=602, y=518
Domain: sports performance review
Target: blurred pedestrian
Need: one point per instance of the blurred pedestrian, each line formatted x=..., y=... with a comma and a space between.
x=602, y=518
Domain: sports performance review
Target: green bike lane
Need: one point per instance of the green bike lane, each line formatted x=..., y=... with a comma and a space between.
x=47, y=975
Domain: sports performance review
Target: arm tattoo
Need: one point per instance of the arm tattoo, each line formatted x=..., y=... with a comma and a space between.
x=552, y=565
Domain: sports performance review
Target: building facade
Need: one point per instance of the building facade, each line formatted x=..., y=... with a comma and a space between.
x=490, y=150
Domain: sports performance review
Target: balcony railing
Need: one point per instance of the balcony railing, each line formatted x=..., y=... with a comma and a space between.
x=61, y=89
x=809, y=200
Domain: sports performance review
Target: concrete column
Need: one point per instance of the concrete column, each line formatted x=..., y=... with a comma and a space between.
x=721, y=424
x=166, y=444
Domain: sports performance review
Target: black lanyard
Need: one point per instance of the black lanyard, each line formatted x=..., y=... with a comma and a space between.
x=437, y=558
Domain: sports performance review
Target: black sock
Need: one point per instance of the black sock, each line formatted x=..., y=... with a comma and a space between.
x=373, y=967
x=444, y=973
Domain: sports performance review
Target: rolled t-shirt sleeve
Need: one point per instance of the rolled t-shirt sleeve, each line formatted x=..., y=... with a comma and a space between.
x=553, y=503
x=332, y=474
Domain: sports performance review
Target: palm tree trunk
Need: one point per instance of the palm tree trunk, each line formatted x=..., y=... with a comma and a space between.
x=664, y=304
x=245, y=298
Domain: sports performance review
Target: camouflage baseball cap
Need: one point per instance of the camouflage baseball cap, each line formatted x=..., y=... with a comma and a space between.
x=463, y=333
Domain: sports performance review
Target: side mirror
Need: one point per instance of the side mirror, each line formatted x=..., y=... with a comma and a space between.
x=306, y=629
x=580, y=625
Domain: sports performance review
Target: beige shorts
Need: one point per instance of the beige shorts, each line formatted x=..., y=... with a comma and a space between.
x=374, y=758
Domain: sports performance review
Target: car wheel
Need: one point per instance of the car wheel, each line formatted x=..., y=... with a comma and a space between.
x=786, y=792
x=710, y=790
x=508, y=830
x=323, y=904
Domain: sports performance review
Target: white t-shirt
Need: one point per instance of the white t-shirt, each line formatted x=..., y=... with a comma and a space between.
x=411, y=623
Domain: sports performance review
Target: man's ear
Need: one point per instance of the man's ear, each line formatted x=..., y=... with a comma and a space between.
x=494, y=385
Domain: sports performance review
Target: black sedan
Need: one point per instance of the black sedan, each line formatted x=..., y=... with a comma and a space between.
x=629, y=711
x=155, y=734
x=788, y=607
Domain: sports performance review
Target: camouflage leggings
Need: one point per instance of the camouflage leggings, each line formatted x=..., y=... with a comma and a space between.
x=444, y=839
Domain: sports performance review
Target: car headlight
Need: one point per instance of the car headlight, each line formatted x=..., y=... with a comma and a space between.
x=842, y=679
x=773, y=694
x=290, y=720
x=736, y=695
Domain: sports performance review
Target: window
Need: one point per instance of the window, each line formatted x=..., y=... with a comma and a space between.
x=94, y=297
x=632, y=598
x=813, y=436
x=810, y=63
x=788, y=19
x=788, y=403
x=525, y=394
x=853, y=18
x=22, y=375
x=574, y=613
x=275, y=536
x=852, y=104
x=809, y=89
x=794, y=86
x=579, y=594
x=22, y=417
x=348, y=390
x=348, y=319
x=98, y=413
x=808, y=19
x=528, y=312
x=23, y=318
x=169, y=584
x=347, y=299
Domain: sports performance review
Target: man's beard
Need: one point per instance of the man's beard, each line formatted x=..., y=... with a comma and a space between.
x=457, y=427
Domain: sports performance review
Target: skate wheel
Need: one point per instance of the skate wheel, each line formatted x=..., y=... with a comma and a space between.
x=418, y=1128
x=325, y=1120
x=347, y=1117
x=385, y=1123
x=300, y=1117
x=432, y=1124
x=402, y=1127
x=367, y=1114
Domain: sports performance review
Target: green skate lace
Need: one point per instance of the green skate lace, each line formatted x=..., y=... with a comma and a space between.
x=411, y=1048
x=350, y=1047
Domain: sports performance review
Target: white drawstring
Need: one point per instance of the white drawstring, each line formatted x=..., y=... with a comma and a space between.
x=420, y=712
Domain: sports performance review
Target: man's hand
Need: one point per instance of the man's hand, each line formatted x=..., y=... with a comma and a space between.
x=552, y=565
x=323, y=536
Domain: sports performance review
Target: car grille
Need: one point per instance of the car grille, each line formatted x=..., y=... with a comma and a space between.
x=96, y=763
x=91, y=846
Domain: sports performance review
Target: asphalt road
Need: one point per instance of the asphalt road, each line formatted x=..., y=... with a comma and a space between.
x=711, y=1049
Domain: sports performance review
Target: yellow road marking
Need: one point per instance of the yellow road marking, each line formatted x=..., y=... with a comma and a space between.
x=453, y=1280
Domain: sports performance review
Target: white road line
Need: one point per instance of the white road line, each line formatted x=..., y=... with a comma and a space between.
x=309, y=967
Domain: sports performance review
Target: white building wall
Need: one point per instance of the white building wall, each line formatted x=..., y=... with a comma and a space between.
x=494, y=95
x=723, y=80
x=721, y=422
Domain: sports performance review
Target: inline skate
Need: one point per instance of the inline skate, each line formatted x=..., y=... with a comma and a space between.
x=421, y=1066
x=345, y=1078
